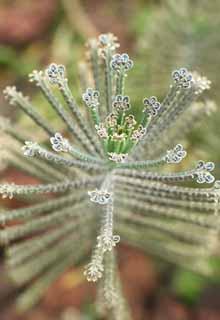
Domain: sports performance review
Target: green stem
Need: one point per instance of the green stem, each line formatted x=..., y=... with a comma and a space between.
x=120, y=81
x=95, y=116
x=110, y=145
x=84, y=157
x=108, y=80
x=121, y=117
x=145, y=120
x=142, y=164
x=123, y=146
x=128, y=146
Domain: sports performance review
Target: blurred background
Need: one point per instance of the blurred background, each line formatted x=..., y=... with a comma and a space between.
x=159, y=35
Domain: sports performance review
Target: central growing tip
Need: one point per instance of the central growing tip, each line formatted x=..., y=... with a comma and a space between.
x=119, y=131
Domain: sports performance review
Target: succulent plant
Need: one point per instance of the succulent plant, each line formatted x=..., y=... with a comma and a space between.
x=104, y=168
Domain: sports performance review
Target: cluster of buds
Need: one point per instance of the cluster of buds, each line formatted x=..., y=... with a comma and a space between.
x=36, y=76
x=152, y=106
x=203, y=170
x=91, y=98
x=121, y=103
x=139, y=133
x=183, y=78
x=95, y=268
x=7, y=190
x=59, y=143
x=100, y=196
x=13, y=96
x=130, y=121
x=55, y=73
x=107, y=44
x=29, y=148
x=108, y=41
x=101, y=131
x=176, y=154
x=107, y=242
x=118, y=136
x=118, y=157
x=111, y=120
x=126, y=132
x=121, y=62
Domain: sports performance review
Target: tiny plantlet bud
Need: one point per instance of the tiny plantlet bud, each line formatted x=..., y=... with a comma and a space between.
x=175, y=155
x=59, y=143
x=101, y=131
x=108, y=41
x=130, y=121
x=100, y=196
x=7, y=190
x=108, y=241
x=203, y=170
x=29, y=148
x=55, y=73
x=111, y=120
x=152, y=106
x=183, y=78
x=95, y=268
x=91, y=98
x=121, y=62
x=139, y=133
x=118, y=157
x=121, y=103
